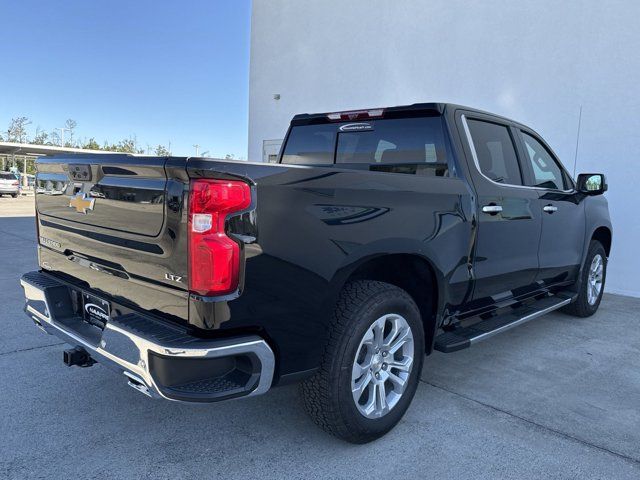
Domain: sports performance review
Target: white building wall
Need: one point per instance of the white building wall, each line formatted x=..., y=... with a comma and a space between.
x=536, y=61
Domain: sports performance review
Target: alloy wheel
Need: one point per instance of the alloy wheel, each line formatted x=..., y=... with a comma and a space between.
x=595, y=279
x=382, y=365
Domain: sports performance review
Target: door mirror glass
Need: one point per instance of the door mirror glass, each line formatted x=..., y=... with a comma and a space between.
x=592, y=183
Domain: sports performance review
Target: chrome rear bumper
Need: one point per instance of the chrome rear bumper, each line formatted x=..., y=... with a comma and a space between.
x=158, y=359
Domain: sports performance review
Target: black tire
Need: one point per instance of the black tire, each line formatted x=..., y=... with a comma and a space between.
x=327, y=395
x=581, y=306
x=14, y=195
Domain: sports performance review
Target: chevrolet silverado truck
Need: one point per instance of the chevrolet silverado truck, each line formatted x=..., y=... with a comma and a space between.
x=379, y=236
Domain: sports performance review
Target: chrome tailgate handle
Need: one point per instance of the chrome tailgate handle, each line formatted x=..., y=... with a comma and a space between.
x=550, y=208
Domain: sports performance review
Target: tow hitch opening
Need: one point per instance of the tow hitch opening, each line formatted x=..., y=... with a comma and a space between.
x=77, y=356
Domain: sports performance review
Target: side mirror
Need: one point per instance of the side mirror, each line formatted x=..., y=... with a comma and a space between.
x=592, y=183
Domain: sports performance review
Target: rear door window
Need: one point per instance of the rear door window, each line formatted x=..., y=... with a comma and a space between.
x=7, y=176
x=496, y=152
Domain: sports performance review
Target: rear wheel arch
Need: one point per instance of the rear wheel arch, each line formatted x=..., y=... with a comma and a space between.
x=412, y=273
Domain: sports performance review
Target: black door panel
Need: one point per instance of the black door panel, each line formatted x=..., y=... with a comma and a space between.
x=563, y=231
x=562, y=209
x=509, y=217
x=507, y=247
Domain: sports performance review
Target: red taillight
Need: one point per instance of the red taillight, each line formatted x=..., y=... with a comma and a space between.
x=15, y=183
x=214, y=258
x=355, y=115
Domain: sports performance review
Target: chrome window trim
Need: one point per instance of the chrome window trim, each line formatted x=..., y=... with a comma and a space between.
x=479, y=170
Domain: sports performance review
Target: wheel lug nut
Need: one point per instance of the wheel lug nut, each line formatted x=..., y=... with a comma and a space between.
x=377, y=376
x=384, y=354
x=384, y=366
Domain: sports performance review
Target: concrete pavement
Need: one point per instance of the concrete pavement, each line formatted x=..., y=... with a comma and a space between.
x=556, y=398
x=22, y=206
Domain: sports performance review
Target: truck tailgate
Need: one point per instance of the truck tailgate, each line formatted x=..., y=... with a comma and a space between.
x=116, y=224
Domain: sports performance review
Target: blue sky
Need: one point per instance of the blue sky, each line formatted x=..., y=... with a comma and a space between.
x=162, y=71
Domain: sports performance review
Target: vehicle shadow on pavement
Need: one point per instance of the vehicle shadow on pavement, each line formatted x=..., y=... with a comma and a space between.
x=558, y=372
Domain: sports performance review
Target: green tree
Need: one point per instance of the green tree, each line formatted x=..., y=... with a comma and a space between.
x=41, y=137
x=127, y=145
x=17, y=131
x=70, y=125
x=91, y=144
x=109, y=147
x=162, y=151
x=54, y=138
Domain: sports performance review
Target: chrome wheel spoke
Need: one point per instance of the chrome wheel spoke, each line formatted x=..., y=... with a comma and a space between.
x=368, y=338
x=378, y=333
x=400, y=340
x=360, y=387
x=359, y=370
x=403, y=365
x=398, y=382
x=370, y=407
x=381, y=399
x=395, y=330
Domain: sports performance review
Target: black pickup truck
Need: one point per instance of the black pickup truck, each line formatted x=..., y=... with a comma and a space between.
x=380, y=236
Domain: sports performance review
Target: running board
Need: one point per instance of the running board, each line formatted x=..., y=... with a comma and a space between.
x=462, y=338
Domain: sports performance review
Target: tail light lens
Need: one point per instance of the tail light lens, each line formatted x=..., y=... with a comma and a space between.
x=15, y=183
x=214, y=258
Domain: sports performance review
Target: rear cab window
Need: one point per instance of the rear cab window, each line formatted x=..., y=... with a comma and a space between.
x=310, y=145
x=7, y=176
x=416, y=145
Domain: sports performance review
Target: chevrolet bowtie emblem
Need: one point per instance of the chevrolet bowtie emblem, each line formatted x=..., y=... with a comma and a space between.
x=81, y=203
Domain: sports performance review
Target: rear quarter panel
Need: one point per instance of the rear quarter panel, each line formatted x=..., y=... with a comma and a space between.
x=314, y=227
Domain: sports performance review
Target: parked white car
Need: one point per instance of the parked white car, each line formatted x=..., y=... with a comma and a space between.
x=9, y=184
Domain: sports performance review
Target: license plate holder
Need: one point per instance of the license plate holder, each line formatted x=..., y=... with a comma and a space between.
x=95, y=310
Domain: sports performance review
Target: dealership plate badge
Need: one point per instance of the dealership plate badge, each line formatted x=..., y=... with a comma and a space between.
x=95, y=310
x=356, y=127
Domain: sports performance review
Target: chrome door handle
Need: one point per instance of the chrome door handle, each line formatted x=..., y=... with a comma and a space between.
x=492, y=209
x=550, y=208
